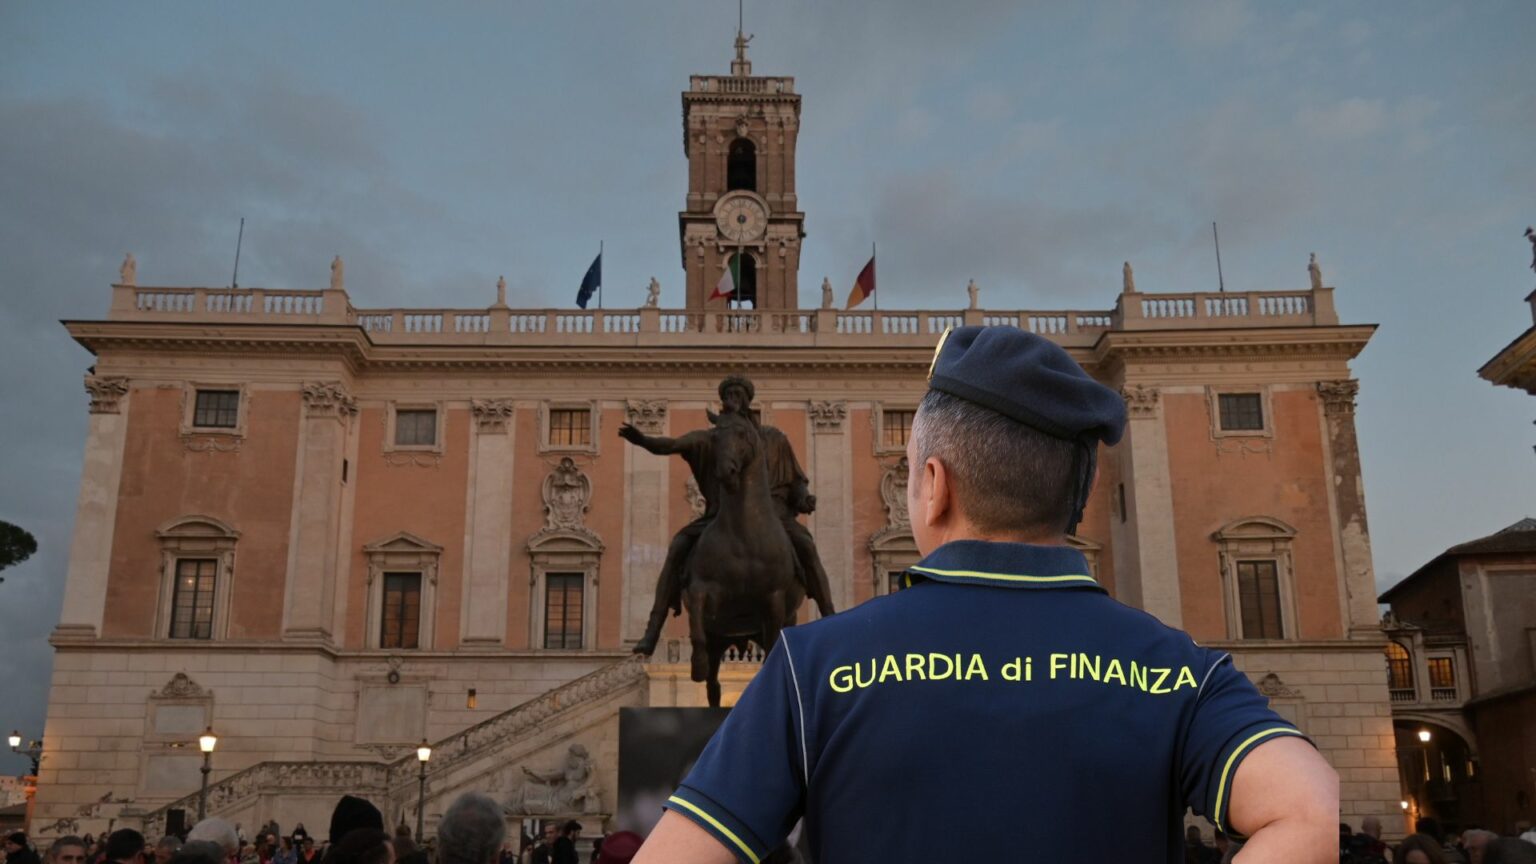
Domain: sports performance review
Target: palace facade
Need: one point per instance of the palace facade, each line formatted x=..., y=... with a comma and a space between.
x=331, y=532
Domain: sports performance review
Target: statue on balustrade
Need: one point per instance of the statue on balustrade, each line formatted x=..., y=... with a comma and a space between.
x=1530, y=234
x=744, y=566
x=128, y=274
x=653, y=294
x=338, y=274
x=1315, y=273
x=566, y=790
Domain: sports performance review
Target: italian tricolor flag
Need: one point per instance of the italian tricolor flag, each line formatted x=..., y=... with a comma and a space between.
x=730, y=280
x=863, y=286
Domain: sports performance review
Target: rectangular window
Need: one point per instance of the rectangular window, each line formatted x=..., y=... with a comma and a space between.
x=1241, y=412
x=192, y=598
x=416, y=427
x=1258, y=586
x=562, y=609
x=570, y=427
x=216, y=409
x=402, y=611
x=1442, y=672
x=895, y=429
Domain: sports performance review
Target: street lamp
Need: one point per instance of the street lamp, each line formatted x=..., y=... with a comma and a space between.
x=205, y=742
x=423, y=755
x=1424, y=735
x=33, y=750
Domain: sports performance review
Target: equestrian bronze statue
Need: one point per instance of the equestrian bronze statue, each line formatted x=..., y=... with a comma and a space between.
x=744, y=566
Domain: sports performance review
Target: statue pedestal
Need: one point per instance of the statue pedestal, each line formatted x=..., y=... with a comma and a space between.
x=668, y=684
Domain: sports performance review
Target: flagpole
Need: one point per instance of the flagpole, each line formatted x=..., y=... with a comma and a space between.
x=599, y=274
x=876, y=274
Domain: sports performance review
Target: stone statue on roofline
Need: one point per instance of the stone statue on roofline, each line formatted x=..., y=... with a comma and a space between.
x=128, y=273
x=1315, y=273
x=975, y=294
x=1530, y=234
x=827, y=301
x=338, y=273
x=653, y=294
x=1129, y=279
x=501, y=292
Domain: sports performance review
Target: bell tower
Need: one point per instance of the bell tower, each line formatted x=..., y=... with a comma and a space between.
x=739, y=134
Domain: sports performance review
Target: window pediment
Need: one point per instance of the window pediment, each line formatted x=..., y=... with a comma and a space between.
x=196, y=527
x=1254, y=528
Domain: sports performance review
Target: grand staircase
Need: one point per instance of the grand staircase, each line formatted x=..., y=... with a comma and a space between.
x=473, y=759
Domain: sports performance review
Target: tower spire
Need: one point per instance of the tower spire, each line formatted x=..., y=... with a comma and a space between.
x=741, y=66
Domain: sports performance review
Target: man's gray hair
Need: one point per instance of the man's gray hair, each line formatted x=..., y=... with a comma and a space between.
x=472, y=831
x=1007, y=476
x=216, y=830
x=66, y=840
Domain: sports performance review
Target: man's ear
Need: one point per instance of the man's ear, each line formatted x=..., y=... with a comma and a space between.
x=936, y=494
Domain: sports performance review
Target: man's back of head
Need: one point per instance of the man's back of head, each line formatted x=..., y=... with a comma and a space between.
x=217, y=831
x=124, y=845
x=471, y=831
x=1509, y=850
x=200, y=852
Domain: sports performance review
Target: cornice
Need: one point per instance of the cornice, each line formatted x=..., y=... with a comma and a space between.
x=1344, y=342
x=1515, y=365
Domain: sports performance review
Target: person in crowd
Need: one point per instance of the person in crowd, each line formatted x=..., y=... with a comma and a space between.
x=472, y=831
x=619, y=848
x=166, y=848
x=200, y=852
x=284, y=852
x=361, y=845
x=1195, y=850
x=219, y=832
x=1475, y=841
x=125, y=846
x=565, y=844
x=352, y=814
x=1419, y=849
x=18, y=850
x=837, y=724
x=307, y=853
x=1509, y=850
x=68, y=849
x=508, y=855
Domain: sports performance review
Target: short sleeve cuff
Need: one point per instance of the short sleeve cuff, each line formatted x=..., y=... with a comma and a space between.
x=1232, y=755
x=718, y=821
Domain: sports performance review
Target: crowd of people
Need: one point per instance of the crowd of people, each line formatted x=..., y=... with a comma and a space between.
x=472, y=831
x=1430, y=844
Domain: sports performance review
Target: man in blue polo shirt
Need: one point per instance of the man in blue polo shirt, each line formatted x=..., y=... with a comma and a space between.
x=1004, y=689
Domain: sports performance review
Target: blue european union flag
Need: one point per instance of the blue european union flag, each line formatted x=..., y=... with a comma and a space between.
x=591, y=281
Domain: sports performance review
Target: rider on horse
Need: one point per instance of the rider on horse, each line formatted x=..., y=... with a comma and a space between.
x=788, y=486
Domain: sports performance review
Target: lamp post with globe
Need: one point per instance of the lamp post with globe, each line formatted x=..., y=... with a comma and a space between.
x=33, y=750
x=423, y=755
x=205, y=742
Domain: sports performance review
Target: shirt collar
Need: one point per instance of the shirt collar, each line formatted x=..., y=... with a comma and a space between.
x=1005, y=565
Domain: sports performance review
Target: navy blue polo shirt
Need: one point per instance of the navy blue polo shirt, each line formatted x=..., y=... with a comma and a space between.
x=1002, y=708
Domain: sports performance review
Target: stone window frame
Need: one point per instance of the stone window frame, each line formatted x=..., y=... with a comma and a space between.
x=188, y=427
x=395, y=407
x=563, y=552
x=891, y=550
x=401, y=552
x=594, y=414
x=196, y=536
x=1266, y=404
x=1092, y=551
x=1257, y=538
x=878, y=426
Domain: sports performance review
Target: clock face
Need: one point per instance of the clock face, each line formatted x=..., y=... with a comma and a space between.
x=741, y=219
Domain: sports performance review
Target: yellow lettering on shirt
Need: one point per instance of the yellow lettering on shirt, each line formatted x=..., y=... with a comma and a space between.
x=972, y=668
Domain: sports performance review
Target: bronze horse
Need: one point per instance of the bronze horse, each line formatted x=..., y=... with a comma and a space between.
x=741, y=577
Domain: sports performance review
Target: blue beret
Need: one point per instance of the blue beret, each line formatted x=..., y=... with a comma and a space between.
x=1028, y=378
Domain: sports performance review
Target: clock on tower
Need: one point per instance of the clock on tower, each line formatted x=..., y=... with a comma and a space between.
x=739, y=134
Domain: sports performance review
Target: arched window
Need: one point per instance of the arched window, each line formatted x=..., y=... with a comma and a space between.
x=741, y=165
x=1399, y=670
x=748, y=290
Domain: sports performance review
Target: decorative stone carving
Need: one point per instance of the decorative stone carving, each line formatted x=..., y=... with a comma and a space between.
x=106, y=393
x=828, y=416
x=180, y=687
x=893, y=491
x=653, y=294
x=826, y=293
x=328, y=399
x=1129, y=278
x=338, y=274
x=1338, y=396
x=568, y=789
x=567, y=493
x=974, y=293
x=128, y=273
x=491, y=415
x=647, y=415
x=1315, y=273
x=210, y=444
x=1271, y=685
x=695, y=498
x=1141, y=400
x=501, y=292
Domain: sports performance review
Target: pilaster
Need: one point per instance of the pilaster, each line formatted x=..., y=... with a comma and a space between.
x=1152, y=580
x=313, y=537
x=645, y=517
x=90, y=551
x=1347, y=490
x=488, y=556
x=832, y=484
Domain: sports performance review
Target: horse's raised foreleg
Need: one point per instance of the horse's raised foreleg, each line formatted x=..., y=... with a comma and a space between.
x=712, y=689
x=696, y=602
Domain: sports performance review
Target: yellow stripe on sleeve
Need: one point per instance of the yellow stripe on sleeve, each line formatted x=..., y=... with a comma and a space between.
x=1004, y=577
x=1226, y=770
x=694, y=809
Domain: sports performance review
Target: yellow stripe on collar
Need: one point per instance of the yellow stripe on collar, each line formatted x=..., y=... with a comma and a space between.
x=1003, y=577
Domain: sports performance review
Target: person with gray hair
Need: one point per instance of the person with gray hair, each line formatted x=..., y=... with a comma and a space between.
x=1476, y=841
x=472, y=831
x=217, y=831
x=68, y=849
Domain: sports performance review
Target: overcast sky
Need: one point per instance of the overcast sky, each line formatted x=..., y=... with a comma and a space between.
x=1032, y=147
